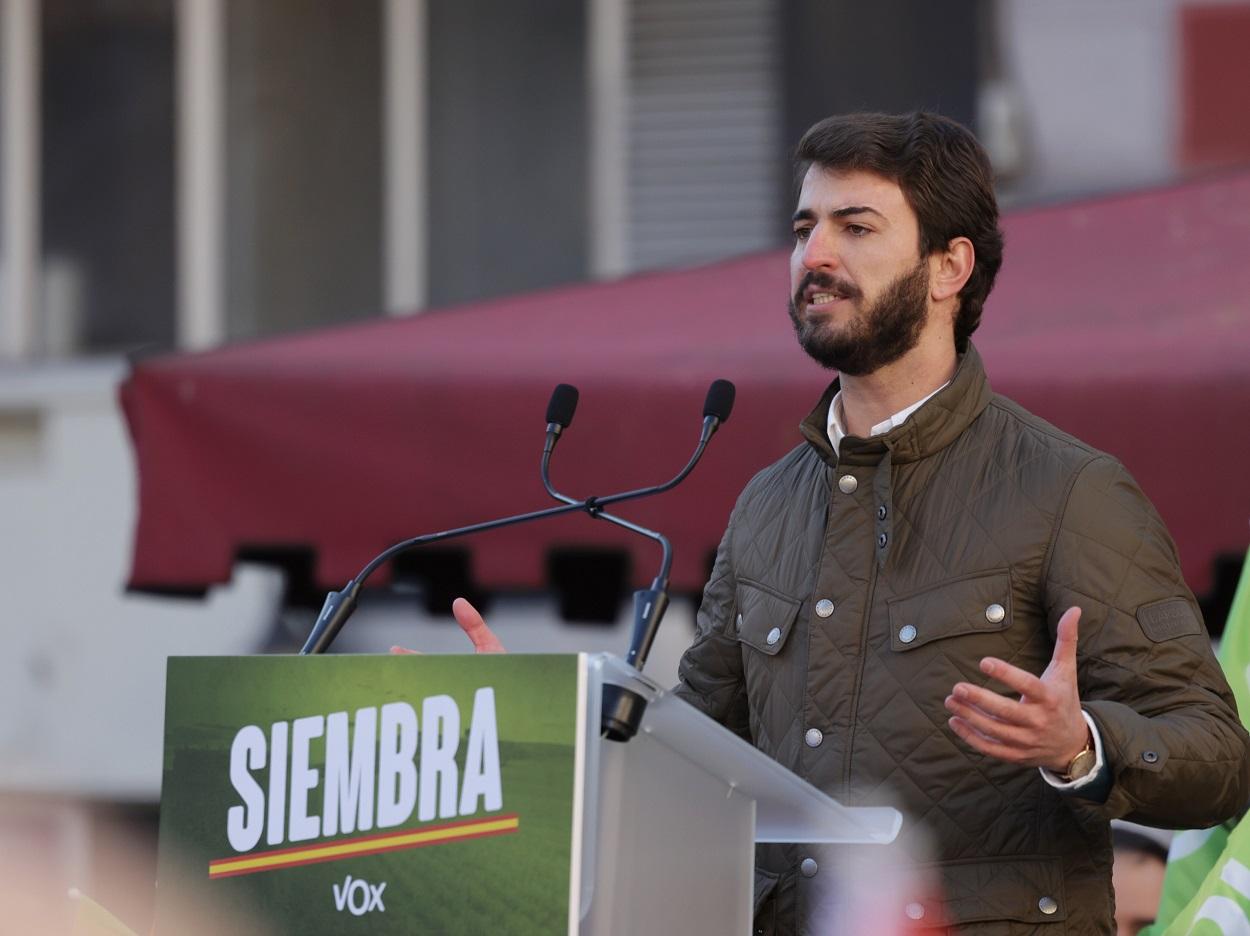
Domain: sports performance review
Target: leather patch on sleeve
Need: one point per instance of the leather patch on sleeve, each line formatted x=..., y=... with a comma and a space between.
x=1168, y=619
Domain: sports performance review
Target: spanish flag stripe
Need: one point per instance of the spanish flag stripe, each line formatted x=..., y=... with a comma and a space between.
x=363, y=845
x=383, y=835
x=388, y=848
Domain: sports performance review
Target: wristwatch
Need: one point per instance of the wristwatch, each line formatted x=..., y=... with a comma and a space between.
x=1082, y=764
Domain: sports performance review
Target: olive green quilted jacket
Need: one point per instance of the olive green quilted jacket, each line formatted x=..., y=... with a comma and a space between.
x=849, y=596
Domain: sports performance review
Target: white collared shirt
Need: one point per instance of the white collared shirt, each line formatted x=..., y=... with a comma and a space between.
x=837, y=432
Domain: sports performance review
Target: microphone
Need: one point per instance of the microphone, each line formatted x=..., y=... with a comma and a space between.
x=339, y=605
x=622, y=708
x=717, y=405
x=559, y=414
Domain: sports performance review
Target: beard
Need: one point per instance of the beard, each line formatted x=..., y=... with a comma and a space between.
x=880, y=334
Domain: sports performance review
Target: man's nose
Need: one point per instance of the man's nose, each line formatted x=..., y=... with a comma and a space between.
x=819, y=252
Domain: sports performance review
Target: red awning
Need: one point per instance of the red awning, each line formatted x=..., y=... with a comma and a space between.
x=1124, y=320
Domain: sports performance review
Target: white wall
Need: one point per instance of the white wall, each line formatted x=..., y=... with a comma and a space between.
x=82, y=675
x=1098, y=82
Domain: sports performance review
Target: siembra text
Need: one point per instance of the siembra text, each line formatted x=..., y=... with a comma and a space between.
x=372, y=775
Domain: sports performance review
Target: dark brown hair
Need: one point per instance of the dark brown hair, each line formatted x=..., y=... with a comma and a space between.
x=945, y=176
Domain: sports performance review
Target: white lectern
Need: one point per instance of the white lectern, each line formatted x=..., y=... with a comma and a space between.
x=669, y=818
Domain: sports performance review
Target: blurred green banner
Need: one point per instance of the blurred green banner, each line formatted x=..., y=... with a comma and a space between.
x=1206, y=890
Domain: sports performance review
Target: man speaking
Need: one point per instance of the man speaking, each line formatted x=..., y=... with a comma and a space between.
x=938, y=600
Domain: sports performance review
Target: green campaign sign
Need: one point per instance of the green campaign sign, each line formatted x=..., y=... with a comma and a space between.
x=379, y=794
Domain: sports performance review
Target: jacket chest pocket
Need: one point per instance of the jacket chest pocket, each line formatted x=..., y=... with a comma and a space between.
x=763, y=622
x=764, y=618
x=974, y=604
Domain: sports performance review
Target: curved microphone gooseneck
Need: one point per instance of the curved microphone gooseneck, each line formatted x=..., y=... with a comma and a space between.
x=622, y=708
x=339, y=605
x=649, y=604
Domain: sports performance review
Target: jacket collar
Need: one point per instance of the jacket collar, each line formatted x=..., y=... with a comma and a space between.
x=929, y=429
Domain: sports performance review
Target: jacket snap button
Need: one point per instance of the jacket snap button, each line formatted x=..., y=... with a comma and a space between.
x=995, y=613
x=881, y=512
x=847, y=484
x=881, y=540
x=813, y=737
x=1047, y=905
x=808, y=868
x=774, y=635
x=739, y=621
x=1150, y=757
x=824, y=607
x=914, y=910
x=907, y=633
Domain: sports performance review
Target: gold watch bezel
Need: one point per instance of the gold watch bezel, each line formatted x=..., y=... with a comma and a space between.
x=1081, y=765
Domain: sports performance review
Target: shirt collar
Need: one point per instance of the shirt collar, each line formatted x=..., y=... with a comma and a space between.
x=928, y=430
x=837, y=428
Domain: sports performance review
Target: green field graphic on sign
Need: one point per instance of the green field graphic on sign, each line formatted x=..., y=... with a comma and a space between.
x=378, y=794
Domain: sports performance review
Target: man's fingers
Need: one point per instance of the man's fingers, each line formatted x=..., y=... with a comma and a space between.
x=980, y=742
x=997, y=706
x=1035, y=729
x=1014, y=678
x=1018, y=737
x=1066, y=637
x=484, y=639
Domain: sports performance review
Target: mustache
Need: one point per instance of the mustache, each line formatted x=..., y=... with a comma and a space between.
x=827, y=283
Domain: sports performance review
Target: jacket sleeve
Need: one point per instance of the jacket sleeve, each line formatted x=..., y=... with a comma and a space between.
x=1177, y=752
x=710, y=672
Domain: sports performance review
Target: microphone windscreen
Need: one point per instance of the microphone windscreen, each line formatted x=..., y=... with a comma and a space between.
x=720, y=400
x=563, y=404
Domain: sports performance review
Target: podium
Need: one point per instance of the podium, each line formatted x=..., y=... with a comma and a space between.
x=307, y=794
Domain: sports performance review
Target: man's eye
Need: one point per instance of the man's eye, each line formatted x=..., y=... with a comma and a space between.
x=857, y=229
x=802, y=233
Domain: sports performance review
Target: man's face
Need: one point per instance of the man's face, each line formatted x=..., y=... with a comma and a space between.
x=859, y=289
x=1137, y=879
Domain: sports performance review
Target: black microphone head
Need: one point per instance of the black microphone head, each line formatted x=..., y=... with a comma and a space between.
x=562, y=406
x=720, y=400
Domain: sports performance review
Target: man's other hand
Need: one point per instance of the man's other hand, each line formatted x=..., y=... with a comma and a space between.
x=484, y=639
x=1045, y=727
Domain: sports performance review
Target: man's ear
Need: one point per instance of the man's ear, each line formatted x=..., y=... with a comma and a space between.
x=951, y=268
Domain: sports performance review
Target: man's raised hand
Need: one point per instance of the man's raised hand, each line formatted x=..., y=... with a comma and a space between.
x=484, y=639
x=1044, y=728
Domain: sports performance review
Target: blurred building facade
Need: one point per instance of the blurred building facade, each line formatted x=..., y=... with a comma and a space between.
x=184, y=172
